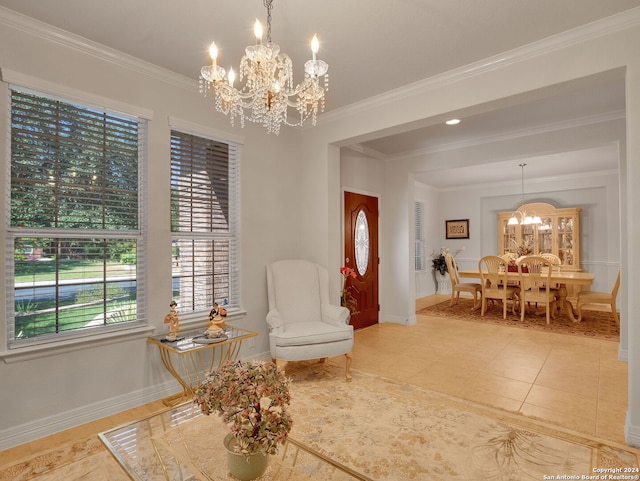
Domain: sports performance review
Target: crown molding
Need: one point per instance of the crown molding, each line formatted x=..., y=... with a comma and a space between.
x=599, y=28
x=50, y=33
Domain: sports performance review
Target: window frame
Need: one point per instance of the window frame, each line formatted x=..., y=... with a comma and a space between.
x=64, y=339
x=235, y=143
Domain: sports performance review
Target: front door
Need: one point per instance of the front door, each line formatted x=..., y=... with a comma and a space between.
x=361, y=254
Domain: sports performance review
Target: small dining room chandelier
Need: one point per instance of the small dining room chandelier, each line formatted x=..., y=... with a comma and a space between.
x=521, y=216
x=267, y=91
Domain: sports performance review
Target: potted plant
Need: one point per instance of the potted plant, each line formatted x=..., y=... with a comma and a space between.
x=438, y=262
x=252, y=398
x=440, y=270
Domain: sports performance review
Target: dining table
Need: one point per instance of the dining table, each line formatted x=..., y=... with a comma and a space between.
x=560, y=277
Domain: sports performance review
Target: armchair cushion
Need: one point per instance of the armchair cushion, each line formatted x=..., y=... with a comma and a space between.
x=314, y=332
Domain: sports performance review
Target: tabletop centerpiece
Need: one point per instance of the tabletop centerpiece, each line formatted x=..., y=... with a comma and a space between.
x=252, y=398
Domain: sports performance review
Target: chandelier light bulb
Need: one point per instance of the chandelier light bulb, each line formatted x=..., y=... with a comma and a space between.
x=212, y=73
x=315, y=46
x=231, y=76
x=257, y=31
x=213, y=51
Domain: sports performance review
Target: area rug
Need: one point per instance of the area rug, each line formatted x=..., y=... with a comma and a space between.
x=386, y=430
x=595, y=324
x=394, y=431
x=81, y=460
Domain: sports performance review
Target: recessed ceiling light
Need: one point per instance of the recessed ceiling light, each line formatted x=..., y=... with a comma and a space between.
x=452, y=122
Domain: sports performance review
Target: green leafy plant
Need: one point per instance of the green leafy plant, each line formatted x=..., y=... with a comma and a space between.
x=252, y=398
x=438, y=261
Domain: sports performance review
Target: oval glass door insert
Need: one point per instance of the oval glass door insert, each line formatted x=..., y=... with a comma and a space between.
x=362, y=243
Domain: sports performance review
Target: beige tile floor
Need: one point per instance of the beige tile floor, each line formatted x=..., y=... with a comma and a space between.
x=574, y=382
x=570, y=381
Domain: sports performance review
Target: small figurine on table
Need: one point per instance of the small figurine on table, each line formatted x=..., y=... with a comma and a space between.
x=173, y=319
x=213, y=313
x=216, y=319
x=217, y=311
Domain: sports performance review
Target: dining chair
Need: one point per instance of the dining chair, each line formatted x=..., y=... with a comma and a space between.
x=474, y=288
x=535, y=285
x=554, y=259
x=493, y=277
x=594, y=297
x=557, y=265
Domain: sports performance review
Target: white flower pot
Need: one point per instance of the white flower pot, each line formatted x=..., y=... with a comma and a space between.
x=443, y=283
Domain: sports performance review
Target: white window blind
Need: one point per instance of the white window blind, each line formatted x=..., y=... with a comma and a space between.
x=75, y=239
x=419, y=237
x=205, y=222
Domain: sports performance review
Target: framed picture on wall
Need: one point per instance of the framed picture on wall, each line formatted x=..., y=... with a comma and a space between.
x=457, y=229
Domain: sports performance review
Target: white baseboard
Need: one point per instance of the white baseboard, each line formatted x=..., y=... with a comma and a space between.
x=42, y=427
x=623, y=354
x=405, y=321
x=631, y=433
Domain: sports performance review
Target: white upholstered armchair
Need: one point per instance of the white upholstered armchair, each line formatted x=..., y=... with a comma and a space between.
x=302, y=323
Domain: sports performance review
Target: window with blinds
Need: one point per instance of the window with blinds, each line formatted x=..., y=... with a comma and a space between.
x=204, y=222
x=419, y=237
x=75, y=237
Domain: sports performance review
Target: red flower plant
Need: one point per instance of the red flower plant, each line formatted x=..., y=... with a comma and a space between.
x=346, y=299
x=348, y=272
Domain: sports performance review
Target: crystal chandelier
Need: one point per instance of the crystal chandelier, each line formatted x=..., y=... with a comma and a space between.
x=268, y=90
x=520, y=215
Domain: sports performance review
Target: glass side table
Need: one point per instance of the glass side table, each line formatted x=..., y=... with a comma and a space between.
x=190, y=357
x=180, y=443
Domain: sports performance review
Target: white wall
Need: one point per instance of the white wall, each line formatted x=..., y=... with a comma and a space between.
x=51, y=393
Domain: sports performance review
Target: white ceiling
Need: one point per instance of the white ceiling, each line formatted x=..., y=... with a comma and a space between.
x=372, y=47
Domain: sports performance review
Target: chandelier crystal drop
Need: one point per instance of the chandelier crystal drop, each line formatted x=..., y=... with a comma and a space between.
x=521, y=215
x=267, y=90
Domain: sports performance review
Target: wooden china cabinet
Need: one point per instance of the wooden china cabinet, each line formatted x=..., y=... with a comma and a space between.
x=558, y=234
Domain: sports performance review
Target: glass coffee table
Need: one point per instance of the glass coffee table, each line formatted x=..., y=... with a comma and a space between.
x=182, y=444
